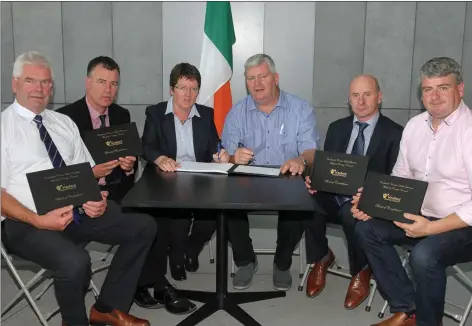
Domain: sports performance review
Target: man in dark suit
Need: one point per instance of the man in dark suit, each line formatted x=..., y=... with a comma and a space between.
x=366, y=133
x=97, y=110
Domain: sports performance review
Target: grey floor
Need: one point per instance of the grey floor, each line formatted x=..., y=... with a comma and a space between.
x=295, y=309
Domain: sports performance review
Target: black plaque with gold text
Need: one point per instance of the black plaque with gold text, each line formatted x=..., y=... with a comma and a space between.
x=68, y=185
x=338, y=173
x=389, y=197
x=107, y=144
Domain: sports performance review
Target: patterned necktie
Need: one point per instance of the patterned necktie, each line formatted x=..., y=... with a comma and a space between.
x=54, y=155
x=115, y=175
x=102, y=120
x=357, y=149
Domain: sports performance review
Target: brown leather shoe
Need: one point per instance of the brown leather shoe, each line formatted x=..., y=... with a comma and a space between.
x=398, y=319
x=358, y=289
x=115, y=318
x=317, y=278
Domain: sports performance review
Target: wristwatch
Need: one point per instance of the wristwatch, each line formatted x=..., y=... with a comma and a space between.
x=304, y=161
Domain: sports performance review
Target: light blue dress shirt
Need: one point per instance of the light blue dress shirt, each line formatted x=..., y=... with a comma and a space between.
x=183, y=133
x=368, y=132
x=285, y=133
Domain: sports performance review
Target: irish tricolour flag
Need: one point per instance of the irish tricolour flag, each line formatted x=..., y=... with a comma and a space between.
x=216, y=64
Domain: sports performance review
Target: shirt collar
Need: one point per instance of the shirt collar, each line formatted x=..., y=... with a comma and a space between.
x=451, y=118
x=94, y=114
x=25, y=113
x=170, y=109
x=281, y=103
x=371, y=122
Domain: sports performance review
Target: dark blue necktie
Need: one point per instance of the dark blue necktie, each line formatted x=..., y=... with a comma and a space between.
x=115, y=175
x=54, y=155
x=357, y=149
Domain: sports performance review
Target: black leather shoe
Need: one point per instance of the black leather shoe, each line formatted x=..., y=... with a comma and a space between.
x=191, y=262
x=178, y=272
x=174, y=303
x=144, y=299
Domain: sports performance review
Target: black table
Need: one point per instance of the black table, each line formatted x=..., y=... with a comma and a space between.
x=184, y=190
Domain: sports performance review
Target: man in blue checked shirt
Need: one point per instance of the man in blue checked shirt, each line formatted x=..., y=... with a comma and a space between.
x=268, y=127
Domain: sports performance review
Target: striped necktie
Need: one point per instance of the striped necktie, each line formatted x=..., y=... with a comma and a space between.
x=357, y=149
x=54, y=156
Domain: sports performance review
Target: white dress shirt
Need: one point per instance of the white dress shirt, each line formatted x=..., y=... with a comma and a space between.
x=22, y=150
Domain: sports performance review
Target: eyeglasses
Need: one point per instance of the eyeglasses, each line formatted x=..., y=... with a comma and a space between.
x=45, y=83
x=185, y=89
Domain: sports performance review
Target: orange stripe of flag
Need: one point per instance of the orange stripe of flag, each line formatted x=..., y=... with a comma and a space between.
x=222, y=103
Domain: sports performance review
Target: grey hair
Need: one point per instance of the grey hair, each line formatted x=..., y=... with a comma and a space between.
x=259, y=59
x=441, y=67
x=30, y=58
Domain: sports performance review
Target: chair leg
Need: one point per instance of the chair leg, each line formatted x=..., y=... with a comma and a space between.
x=368, y=307
x=304, y=277
x=51, y=314
x=95, y=290
x=384, y=308
x=107, y=254
x=23, y=287
x=20, y=294
x=463, y=318
x=301, y=251
x=45, y=288
x=466, y=312
x=100, y=268
x=210, y=249
x=233, y=267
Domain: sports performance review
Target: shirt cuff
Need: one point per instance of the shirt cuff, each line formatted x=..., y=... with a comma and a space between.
x=465, y=213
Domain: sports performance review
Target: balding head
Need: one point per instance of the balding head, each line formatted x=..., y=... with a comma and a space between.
x=364, y=96
x=367, y=79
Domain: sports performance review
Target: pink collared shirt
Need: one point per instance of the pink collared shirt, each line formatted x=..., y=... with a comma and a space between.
x=443, y=159
x=95, y=116
x=96, y=123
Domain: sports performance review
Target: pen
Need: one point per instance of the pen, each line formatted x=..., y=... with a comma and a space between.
x=240, y=145
x=281, y=128
x=218, y=148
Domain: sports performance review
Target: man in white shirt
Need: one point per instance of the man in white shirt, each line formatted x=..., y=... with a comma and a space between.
x=51, y=240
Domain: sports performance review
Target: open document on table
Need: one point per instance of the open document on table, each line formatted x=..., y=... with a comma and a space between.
x=256, y=170
x=228, y=168
x=204, y=167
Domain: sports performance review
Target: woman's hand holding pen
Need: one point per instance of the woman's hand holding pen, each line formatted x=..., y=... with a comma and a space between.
x=221, y=157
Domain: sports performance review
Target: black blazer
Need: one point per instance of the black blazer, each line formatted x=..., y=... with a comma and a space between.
x=383, y=147
x=79, y=113
x=159, y=137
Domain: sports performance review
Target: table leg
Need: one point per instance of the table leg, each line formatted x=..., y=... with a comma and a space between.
x=221, y=299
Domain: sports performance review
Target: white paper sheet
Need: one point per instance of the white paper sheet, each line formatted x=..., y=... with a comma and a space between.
x=257, y=170
x=204, y=167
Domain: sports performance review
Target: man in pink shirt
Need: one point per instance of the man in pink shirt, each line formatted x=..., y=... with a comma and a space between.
x=435, y=148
